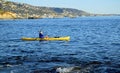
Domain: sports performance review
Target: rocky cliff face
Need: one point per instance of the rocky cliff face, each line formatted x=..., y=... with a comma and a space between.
x=7, y=15
x=26, y=11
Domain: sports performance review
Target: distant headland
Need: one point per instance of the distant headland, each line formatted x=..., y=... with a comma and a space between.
x=13, y=10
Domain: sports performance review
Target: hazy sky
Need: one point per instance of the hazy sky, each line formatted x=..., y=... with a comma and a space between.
x=92, y=6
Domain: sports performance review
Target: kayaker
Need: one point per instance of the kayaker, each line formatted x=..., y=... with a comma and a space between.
x=41, y=34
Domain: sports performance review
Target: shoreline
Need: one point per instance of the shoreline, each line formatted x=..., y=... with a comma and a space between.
x=53, y=18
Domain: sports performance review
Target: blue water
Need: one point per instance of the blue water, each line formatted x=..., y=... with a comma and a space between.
x=94, y=46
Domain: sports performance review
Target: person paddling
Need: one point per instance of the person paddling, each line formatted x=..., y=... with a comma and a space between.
x=41, y=34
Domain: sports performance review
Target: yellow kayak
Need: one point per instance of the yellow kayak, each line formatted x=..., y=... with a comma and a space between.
x=66, y=38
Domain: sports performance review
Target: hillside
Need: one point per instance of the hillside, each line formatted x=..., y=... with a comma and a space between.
x=7, y=15
x=29, y=11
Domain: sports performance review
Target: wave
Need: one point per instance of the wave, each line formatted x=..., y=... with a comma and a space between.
x=115, y=44
x=9, y=40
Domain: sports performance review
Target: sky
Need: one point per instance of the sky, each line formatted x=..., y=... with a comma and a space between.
x=91, y=6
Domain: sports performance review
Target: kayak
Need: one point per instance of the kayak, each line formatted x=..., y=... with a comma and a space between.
x=66, y=38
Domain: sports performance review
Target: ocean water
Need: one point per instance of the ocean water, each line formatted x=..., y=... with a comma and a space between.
x=94, y=46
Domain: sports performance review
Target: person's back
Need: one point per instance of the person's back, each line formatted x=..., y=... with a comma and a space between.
x=41, y=34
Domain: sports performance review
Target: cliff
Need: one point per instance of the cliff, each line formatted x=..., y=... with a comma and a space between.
x=7, y=15
x=28, y=11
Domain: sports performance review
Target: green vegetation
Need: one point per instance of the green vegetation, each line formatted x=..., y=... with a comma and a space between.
x=1, y=11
